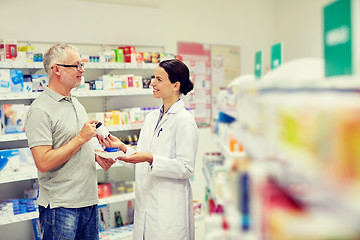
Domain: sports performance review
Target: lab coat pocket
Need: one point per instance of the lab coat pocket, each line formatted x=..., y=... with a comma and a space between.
x=172, y=208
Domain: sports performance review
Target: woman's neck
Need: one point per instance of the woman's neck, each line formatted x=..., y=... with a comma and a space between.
x=169, y=102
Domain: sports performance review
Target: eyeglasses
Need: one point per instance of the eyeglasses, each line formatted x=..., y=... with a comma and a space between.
x=77, y=66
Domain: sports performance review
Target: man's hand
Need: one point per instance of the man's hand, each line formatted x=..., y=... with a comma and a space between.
x=88, y=130
x=105, y=163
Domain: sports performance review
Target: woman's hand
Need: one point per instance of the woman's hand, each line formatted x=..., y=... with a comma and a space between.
x=111, y=142
x=137, y=157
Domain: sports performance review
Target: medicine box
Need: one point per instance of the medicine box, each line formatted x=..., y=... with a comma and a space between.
x=5, y=80
x=38, y=82
x=17, y=80
x=14, y=118
x=27, y=83
x=8, y=49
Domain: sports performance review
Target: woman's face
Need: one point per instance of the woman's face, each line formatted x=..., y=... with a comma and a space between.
x=162, y=87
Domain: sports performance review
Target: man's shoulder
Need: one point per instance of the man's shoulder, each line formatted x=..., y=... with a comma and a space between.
x=42, y=99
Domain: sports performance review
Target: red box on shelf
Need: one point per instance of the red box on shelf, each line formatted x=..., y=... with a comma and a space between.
x=8, y=49
x=104, y=190
x=139, y=57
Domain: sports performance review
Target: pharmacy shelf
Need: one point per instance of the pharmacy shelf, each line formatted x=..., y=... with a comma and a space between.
x=32, y=215
x=28, y=65
x=29, y=173
x=88, y=65
x=19, y=218
x=92, y=93
x=226, y=152
x=19, y=96
x=118, y=233
x=22, y=136
x=12, y=137
x=117, y=198
x=108, y=93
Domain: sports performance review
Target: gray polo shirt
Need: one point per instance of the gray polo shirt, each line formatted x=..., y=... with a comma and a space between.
x=53, y=119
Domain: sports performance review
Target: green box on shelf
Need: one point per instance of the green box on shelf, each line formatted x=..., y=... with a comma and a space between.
x=119, y=55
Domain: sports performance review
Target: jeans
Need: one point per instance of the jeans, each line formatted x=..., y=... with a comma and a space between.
x=69, y=223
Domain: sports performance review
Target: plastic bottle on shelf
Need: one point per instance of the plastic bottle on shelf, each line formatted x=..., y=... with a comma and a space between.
x=118, y=219
x=130, y=212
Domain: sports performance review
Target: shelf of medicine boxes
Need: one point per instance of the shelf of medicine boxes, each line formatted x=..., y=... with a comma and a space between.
x=31, y=215
x=88, y=65
x=80, y=93
x=29, y=172
x=22, y=136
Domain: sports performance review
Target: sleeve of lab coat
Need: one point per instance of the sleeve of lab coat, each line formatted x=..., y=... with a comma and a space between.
x=129, y=151
x=182, y=167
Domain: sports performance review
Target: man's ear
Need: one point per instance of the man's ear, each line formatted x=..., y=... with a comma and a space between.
x=56, y=70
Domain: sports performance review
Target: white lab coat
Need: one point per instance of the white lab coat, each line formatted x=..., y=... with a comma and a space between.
x=163, y=195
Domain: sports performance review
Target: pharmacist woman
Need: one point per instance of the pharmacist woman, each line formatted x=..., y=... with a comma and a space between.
x=164, y=160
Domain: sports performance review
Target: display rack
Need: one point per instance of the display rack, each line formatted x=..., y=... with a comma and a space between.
x=303, y=171
x=32, y=215
x=110, y=99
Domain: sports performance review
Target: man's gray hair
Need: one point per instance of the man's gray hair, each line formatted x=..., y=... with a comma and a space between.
x=56, y=54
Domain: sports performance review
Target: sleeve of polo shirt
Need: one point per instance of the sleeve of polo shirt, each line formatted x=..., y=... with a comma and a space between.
x=38, y=128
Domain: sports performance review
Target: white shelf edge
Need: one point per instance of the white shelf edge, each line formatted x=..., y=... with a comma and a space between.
x=88, y=65
x=19, y=218
x=12, y=137
x=117, y=198
x=92, y=93
x=22, y=136
x=32, y=215
x=18, y=177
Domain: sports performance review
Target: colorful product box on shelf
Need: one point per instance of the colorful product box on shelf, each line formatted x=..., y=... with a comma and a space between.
x=119, y=55
x=27, y=83
x=146, y=82
x=124, y=81
x=108, y=121
x=16, y=160
x=14, y=118
x=8, y=49
x=147, y=57
x=9, y=161
x=104, y=217
x=1, y=123
x=117, y=82
x=104, y=190
x=125, y=118
x=139, y=57
x=5, y=80
x=39, y=81
x=108, y=82
x=36, y=227
x=21, y=206
x=155, y=57
x=17, y=80
x=166, y=56
x=116, y=117
x=137, y=81
x=130, y=80
x=136, y=116
x=129, y=54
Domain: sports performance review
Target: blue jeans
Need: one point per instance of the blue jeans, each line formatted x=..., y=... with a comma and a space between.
x=69, y=223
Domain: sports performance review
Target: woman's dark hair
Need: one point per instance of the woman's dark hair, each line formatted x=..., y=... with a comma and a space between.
x=178, y=72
